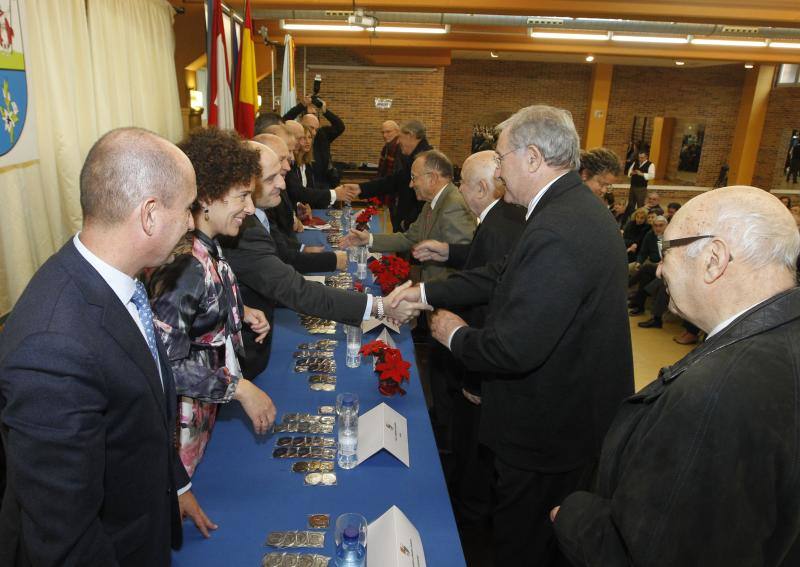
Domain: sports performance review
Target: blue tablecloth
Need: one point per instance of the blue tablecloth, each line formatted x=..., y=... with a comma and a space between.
x=249, y=493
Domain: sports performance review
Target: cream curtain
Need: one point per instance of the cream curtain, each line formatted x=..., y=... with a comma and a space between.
x=92, y=66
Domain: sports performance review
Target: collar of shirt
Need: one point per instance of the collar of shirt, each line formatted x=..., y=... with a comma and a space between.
x=436, y=198
x=486, y=211
x=262, y=217
x=121, y=284
x=721, y=326
x=540, y=194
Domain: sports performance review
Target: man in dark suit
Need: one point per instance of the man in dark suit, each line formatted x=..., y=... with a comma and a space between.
x=499, y=228
x=265, y=280
x=322, y=167
x=404, y=208
x=556, y=340
x=87, y=402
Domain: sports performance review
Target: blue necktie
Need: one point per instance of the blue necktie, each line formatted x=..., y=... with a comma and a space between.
x=142, y=304
x=266, y=225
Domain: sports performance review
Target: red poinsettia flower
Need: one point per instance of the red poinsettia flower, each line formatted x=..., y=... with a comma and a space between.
x=375, y=201
x=373, y=348
x=393, y=367
x=358, y=286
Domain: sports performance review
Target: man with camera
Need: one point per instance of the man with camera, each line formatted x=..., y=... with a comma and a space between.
x=322, y=167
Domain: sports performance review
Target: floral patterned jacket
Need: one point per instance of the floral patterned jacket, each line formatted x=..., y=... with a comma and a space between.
x=197, y=307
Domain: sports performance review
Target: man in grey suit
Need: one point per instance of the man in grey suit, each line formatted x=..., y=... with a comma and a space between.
x=444, y=217
x=87, y=402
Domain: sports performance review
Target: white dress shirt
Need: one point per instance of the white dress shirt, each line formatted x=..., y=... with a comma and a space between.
x=721, y=326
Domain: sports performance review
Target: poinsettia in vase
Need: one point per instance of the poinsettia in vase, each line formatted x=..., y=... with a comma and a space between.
x=392, y=370
x=389, y=272
x=363, y=218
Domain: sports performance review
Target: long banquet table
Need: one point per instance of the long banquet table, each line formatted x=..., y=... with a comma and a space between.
x=249, y=493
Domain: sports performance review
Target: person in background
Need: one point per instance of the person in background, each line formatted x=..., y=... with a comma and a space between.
x=391, y=146
x=196, y=300
x=786, y=200
x=641, y=172
x=325, y=174
x=599, y=170
x=701, y=466
x=87, y=400
x=634, y=232
x=672, y=208
x=266, y=119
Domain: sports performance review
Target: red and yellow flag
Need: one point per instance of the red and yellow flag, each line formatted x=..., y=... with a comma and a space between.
x=247, y=84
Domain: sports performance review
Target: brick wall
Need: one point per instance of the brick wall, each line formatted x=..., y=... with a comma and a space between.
x=351, y=95
x=783, y=115
x=708, y=94
x=488, y=92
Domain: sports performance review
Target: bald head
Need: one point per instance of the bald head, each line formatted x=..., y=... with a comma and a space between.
x=126, y=166
x=478, y=184
x=390, y=130
x=312, y=122
x=297, y=131
x=746, y=253
x=268, y=190
x=277, y=145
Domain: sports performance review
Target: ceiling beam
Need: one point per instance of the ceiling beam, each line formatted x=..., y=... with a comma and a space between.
x=780, y=13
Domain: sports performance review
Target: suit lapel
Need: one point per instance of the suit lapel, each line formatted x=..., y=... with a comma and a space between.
x=435, y=213
x=116, y=320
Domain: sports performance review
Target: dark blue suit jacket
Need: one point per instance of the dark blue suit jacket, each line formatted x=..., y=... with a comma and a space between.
x=87, y=428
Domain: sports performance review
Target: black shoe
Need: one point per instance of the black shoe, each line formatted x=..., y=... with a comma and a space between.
x=636, y=311
x=651, y=324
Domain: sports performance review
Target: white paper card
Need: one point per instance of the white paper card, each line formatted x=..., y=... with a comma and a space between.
x=319, y=279
x=382, y=428
x=373, y=323
x=393, y=541
x=387, y=338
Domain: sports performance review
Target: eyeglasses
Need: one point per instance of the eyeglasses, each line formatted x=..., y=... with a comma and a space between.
x=498, y=158
x=678, y=242
x=415, y=177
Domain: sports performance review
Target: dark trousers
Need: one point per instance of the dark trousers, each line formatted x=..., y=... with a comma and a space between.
x=523, y=533
x=636, y=198
x=444, y=380
x=658, y=291
x=645, y=275
x=471, y=482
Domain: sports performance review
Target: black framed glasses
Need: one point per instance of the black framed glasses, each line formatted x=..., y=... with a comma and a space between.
x=678, y=242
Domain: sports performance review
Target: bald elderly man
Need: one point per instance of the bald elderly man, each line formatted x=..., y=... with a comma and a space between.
x=702, y=467
x=390, y=131
x=324, y=136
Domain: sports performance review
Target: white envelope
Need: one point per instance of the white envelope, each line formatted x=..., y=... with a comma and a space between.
x=319, y=279
x=393, y=541
x=382, y=428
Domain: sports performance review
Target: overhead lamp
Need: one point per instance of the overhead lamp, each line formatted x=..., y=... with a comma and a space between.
x=784, y=45
x=589, y=58
x=571, y=36
x=649, y=39
x=493, y=55
x=680, y=63
x=320, y=27
x=748, y=65
x=729, y=42
x=196, y=99
x=402, y=29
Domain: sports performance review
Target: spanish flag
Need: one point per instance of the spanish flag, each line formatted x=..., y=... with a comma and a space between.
x=246, y=83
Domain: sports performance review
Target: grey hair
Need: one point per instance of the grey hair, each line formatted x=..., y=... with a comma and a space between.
x=415, y=128
x=548, y=128
x=434, y=160
x=757, y=237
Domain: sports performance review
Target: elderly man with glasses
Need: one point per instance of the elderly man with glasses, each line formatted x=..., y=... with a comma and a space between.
x=702, y=467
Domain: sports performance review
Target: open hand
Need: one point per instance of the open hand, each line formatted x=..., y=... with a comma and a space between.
x=431, y=250
x=354, y=238
x=189, y=507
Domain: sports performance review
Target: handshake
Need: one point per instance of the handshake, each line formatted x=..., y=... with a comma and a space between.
x=347, y=192
x=403, y=304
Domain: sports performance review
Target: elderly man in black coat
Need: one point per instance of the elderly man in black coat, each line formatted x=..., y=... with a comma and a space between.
x=702, y=467
x=556, y=340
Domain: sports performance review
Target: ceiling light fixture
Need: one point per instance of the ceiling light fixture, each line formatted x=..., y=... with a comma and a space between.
x=570, y=36
x=748, y=65
x=589, y=58
x=784, y=45
x=320, y=27
x=401, y=29
x=729, y=42
x=680, y=63
x=649, y=39
x=493, y=55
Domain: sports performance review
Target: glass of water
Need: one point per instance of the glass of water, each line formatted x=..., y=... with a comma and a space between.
x=353, y=333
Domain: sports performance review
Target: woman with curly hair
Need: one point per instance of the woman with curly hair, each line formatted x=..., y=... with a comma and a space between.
x=196, y=301
x=599, y=170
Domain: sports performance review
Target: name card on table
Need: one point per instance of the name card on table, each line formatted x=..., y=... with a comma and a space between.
x=393, y=541
x=373, y=323
x=318, y=279
x=382, y=428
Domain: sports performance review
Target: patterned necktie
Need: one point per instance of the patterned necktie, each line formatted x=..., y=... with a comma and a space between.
x=427, y=222
x=142, y=304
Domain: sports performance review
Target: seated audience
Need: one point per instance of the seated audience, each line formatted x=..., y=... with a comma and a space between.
x=786, y=200
x=701, y=467
x=647, y=261
x=599, y=170
x=653, y=202
x=672, y=208
x=634, y=232
x=196, y=301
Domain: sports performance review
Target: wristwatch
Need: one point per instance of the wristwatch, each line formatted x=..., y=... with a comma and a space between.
x=381, y=313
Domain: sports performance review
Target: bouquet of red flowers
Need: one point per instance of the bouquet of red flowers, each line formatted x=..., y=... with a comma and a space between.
x=389, y=364
x=389, y=272
x=362, y=220
x=375, y=201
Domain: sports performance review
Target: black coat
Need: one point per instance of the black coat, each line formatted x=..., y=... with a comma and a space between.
x=324, y=172
x=494, y=238
x=308, y=194
x=88, y=429
x=556, y=333
x=406, y=208
x=281, y=220
x=702, y=467
x=648, y=250
x=264, y=280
